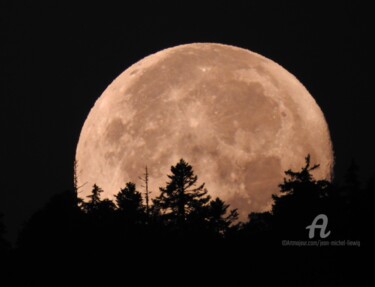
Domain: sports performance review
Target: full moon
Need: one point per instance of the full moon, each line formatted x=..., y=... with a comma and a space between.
x=237, y=117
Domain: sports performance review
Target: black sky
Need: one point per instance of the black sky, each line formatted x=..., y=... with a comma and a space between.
x=56, y=60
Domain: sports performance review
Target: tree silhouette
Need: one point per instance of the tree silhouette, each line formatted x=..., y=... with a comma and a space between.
x=75, y=176
x=94, y=202
x=99, y=223
x=302, y=180
x=129, y=204
x=259, y=224
x=183, y=218
x=57, y=224
x=97, y=207
x=351, y=205
x=145, y=179
x=302, y=198
x=219, y=221
x=181, y=197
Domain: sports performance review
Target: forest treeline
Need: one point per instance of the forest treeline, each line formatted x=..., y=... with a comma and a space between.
x=184, y=219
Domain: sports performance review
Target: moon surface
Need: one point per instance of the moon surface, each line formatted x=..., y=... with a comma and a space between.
x=237, y=117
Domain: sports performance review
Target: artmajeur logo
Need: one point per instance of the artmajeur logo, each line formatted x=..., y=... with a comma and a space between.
x=314, y=225
x=320, y=222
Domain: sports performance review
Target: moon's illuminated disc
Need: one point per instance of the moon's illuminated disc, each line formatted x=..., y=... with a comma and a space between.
x=237, y=117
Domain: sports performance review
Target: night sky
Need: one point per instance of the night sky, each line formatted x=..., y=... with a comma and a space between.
x=57, y=59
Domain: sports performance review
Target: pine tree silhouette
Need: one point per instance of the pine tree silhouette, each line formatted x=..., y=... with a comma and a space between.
x=302, y=198
x=97, y=207
x=218, y=219
x=181, y=197
x=184, y=222
x=129, y=204
x=94, y=202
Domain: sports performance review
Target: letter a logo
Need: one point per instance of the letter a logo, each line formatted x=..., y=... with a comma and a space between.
x=322, y=226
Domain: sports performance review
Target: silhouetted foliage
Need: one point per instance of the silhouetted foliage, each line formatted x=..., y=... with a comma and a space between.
x=96, y=208
x=259, y=223
x=184, y=222
x=218, y=218
x=145, y=179
x=75, y=176
x=129, y=204
x=303, y=181
x=352, y=206
x=181, y=197
x=54, y=226
x=93, y=204
x=302, y=198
